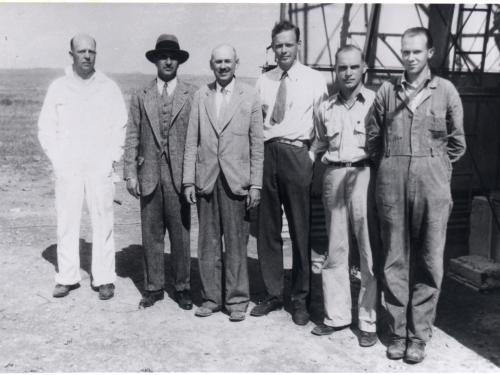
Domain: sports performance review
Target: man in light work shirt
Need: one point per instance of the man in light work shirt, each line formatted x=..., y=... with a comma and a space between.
x=342, y=134
x=82, y=131
x=288, y=94
x=415, y=134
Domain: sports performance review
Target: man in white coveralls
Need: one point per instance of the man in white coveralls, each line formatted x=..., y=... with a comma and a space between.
x=82, y=129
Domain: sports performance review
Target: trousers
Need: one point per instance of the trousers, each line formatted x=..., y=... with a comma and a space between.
x=223, y=271
x=348, y=211
x=287, y=180
x=72, y=186
x=165, y=210
x=414, y=203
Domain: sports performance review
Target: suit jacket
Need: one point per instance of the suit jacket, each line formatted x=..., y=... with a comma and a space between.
x=236, y=146
x=143, y=140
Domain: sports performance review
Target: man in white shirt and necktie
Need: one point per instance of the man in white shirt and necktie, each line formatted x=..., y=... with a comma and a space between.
x=288, y=94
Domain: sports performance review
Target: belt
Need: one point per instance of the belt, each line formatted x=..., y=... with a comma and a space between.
x=360, y=163
x=296, y=143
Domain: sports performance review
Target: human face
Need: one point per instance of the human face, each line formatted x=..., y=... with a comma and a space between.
x=415, y=55
x=83, y=53
x=223, y=63
x=349, y=69
x=285, y=46
x=167, y=67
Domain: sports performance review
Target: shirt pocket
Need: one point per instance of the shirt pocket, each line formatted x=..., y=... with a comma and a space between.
x=332, y=132
x=360, y=132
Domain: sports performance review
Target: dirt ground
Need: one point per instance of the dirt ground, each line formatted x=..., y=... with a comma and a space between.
x=80, y=333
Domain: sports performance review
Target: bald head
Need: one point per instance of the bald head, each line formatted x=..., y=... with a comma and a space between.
x=225, y=49
x=83, y=52
x=223, y=63
x=79, y=38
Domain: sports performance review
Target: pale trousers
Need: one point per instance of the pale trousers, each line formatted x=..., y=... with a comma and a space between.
x=345, y=198
x=98, y=190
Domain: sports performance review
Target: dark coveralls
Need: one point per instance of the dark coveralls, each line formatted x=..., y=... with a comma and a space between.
x=414, y=151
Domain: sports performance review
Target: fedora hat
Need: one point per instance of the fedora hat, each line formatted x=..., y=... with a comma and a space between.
x=167, y=44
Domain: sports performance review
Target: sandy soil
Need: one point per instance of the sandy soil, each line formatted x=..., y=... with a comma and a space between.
x=82, y=333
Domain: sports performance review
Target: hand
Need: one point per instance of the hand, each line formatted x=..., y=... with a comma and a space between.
x=190, y=194
x=253, y=198
x=133, y=187
x=312, y=155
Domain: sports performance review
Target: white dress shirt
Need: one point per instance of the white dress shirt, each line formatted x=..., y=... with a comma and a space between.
x=223, y=96
x=171, y=85
x=306, y=88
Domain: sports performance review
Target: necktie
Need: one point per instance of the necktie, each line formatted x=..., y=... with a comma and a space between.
x=164, y=93
x=280, y=104
x=223, y=103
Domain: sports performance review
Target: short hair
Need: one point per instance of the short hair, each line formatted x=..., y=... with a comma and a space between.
x=348, y=48
x=285, y=25
x=420, y=31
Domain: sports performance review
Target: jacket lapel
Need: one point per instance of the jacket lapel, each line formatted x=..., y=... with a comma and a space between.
x=181, y=95
x=233, y=106
x=151, y=107
x=210, y=106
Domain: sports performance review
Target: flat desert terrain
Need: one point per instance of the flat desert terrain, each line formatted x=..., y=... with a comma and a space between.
x=80, y=333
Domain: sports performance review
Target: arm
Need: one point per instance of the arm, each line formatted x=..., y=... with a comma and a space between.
x=119, y=118
x=190, y=151
x=455, y=125
x=374, y=136
x=321, y=94
x=132, y=147
x=256, y=135
x=47, y=126
x=320, y=142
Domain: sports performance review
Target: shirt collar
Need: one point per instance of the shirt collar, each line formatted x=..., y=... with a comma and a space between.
x=71, y=73
x=292, y=72
x=171, y=85
x=425, y=79
x=229, y=88
x=360, y=96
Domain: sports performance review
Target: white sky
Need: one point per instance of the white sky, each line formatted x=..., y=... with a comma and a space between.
x=37, y=35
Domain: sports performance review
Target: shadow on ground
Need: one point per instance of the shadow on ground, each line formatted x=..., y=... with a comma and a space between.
x=470, y=317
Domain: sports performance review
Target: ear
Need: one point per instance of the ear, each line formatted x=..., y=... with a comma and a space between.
x=71, y=54
x=430, y=53
x=364, y=67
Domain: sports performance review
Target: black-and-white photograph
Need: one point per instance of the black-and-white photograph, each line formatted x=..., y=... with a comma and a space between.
x=249, y=187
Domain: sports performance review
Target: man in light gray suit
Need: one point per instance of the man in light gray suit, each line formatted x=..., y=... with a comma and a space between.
x=223, y=163
x=154, y=150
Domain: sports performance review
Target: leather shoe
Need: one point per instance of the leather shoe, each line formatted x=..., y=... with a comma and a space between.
x=150, y=298
x=269, y=304
x=323, y=330
x=237, y=316
x=415, y=352
x=367, y=339
x=396, y=349
x=106, y=291
x=300, y=316
x=183, y=298
x=61, y=290
x=204, y=310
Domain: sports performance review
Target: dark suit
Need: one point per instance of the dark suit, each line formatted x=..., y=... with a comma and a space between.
x=154, y=152
x=223, y=159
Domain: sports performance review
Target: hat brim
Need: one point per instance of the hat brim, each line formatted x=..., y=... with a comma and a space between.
x=177, y=54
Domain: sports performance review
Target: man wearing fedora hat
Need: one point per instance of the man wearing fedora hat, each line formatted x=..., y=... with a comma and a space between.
x=154, y=149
